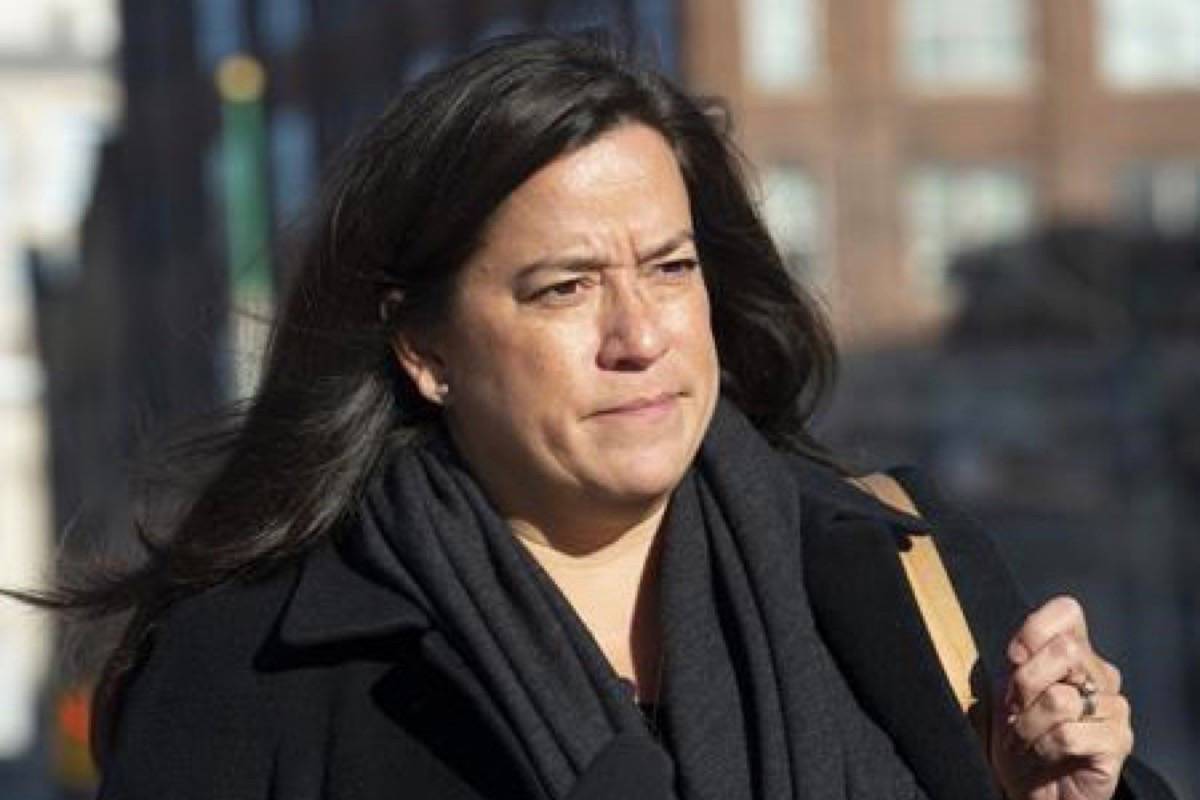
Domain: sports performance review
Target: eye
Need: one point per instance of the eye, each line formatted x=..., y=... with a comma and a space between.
x=677, y=267
x=560, y=291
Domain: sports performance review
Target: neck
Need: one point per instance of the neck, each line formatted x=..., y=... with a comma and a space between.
x=613, y=589
x=589, y=542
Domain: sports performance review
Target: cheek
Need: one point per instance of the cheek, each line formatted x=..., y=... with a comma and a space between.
x=703, y=359
x=527, y=367
x=693, y=328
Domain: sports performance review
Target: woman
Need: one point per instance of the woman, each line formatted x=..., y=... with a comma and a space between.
x=526, y=505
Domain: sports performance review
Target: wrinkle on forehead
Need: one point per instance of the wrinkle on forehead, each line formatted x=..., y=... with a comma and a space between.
x=605, y=200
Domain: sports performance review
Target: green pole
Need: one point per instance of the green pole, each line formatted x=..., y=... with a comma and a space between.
x=241, y=82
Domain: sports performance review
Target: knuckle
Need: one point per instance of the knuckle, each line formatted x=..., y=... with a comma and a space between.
x=1067, y=739
x=1074, y=649
x=1023, y=683
x=1064, y=647
x=1051, y=745
x=1068, y=606
x=1114, y=676
x=1057, y=647
x=1121, y=708
x=1058, y=700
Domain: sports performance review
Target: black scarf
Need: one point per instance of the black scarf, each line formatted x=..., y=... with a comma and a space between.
x=752, y=705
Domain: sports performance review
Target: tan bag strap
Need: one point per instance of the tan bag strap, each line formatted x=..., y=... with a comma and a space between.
x=934, y=593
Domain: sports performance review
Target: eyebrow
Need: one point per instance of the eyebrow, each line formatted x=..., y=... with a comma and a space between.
x=591, y=263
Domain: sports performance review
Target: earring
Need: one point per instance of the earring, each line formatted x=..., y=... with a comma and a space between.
x=442, y=390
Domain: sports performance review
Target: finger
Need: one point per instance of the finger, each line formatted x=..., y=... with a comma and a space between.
x=1111, y=680
x=1063, y=659
x=1110, y=742
x=1059, y=615
x=1062, y=704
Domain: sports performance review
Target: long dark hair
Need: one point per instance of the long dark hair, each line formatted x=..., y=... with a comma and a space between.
x=402, y=210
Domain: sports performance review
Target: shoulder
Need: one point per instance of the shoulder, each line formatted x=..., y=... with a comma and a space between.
x=903, y=496
x=211, y=637
x=195, y=693
x=223, y=626
x=830, y=493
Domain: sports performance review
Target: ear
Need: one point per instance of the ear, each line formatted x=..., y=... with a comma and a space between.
x=424, y=366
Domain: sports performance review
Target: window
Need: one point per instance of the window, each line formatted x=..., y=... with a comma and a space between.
x=955, y=208
x=792, y=208
x=293, y=154
x=1163, y=197
x=779, y=43
x=283, y=24
x=218, y=30
x=1150, y=43
x=968, y=44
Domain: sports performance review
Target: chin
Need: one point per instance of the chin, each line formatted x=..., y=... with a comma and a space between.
x=644, y=480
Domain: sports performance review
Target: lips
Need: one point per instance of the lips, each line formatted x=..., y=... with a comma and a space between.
x=647, y=404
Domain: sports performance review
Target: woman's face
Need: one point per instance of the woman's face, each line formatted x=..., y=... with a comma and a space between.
x=578, y=370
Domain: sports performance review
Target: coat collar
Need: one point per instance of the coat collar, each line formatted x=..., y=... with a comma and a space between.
x=335, y=600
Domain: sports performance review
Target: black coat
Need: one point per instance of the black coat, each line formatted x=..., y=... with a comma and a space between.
x=320, y=683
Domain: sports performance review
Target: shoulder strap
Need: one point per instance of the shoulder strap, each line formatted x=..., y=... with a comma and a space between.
x=934, y=593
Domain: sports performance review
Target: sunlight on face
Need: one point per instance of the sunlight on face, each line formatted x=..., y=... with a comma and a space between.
x=579, y=355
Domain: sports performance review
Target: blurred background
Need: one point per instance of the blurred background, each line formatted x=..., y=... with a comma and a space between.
x=998, y=201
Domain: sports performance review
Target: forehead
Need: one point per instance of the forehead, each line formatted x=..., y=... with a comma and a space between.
x=626, y=183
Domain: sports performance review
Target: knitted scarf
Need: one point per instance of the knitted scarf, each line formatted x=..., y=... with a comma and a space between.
x=752, y=705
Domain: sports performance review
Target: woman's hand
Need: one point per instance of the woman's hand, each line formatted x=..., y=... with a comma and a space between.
x=1061, y=730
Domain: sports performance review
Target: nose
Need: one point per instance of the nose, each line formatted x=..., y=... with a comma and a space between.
x=633, y=331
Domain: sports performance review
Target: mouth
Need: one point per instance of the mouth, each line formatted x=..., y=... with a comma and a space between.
x=647, y=405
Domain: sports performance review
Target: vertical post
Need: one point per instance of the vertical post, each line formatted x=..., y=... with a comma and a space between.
x=241, y=82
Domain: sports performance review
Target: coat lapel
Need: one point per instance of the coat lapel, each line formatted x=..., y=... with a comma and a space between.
x=866, y=611
x=423, y=686
x=334, y=602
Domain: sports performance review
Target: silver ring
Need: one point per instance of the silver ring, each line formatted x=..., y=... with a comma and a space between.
x=1087, y=693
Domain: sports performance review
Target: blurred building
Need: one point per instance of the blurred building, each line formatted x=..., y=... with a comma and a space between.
x=1059, y=409
x=1000, y=201
x=892, y=133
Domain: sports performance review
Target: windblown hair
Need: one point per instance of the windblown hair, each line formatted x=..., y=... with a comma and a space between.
x=403, y=209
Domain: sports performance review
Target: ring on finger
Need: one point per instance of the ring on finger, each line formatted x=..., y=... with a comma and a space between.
x=1087, y=694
